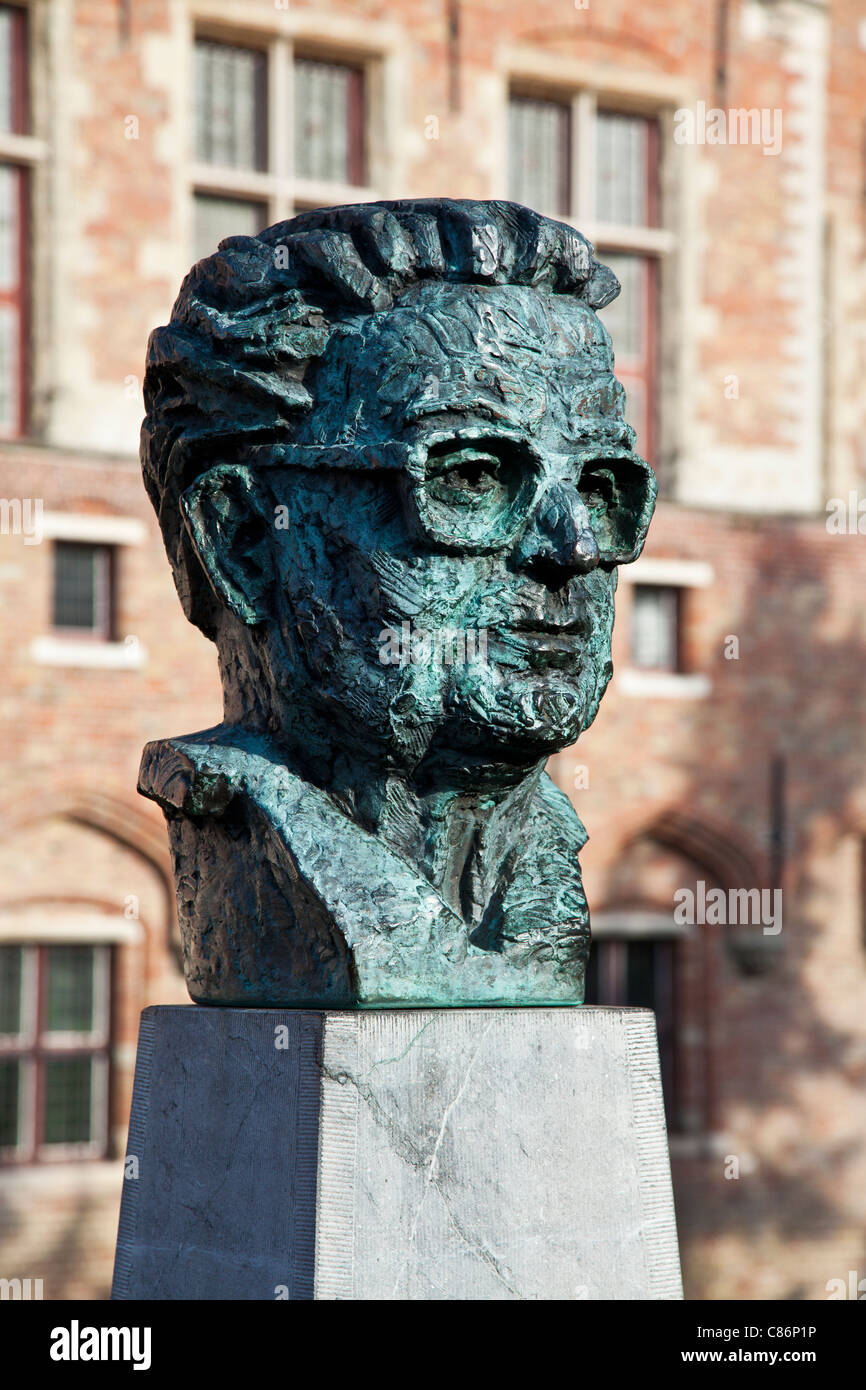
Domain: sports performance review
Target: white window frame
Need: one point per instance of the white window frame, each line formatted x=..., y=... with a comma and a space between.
x=29, y=154
x=105, y=563
x=277, y=187
x=66, y=647
x=584, y=103
x=63, y=1044
x=531, y=71
x=655, y=244
x=643, y=683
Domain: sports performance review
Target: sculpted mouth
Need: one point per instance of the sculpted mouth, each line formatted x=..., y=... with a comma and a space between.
x=541, y=628
x=547, y=645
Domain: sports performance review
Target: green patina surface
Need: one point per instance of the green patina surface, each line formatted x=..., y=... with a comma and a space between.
x=387, y=450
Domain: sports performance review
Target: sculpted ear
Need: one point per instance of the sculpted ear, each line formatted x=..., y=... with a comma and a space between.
x=231, y=529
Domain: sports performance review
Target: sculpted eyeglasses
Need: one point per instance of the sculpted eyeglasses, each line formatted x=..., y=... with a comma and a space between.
x=473, y=489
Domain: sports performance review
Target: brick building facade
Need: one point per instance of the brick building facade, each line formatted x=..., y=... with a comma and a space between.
x=713, y=153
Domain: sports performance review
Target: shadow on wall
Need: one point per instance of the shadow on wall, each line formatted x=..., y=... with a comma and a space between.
x=70, y=1247
x=772, y=1200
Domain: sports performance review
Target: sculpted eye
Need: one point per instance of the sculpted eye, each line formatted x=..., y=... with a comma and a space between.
x=472, y=488
x=598, y=489
x=618, y=494
x=466, y=475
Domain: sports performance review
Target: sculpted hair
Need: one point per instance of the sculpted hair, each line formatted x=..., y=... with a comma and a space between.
x=229, y=369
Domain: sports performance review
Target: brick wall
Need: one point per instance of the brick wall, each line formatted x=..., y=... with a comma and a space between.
x=767, y=287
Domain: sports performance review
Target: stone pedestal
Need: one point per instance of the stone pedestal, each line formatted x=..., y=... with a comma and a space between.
x=401, y=1154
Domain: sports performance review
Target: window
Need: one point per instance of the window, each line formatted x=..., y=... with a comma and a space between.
x=611, y=192
x=231, y=105
x=328, y=122
x=626, y=169
x=54, y=1036
x=631, y=320
x=82, y=600
x=539, y=141
x=217, y=218
x=249, y=172
x=13, y=222
x=626, y=195
x=655, y=627
x=638, y=972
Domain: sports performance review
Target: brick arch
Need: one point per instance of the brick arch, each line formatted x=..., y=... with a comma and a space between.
x=727, y=856
x=121, y=819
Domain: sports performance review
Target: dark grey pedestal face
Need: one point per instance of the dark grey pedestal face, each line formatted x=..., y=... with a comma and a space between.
x=402, y=1154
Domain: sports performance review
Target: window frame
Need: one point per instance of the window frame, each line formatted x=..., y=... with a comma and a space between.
x=611, y=967
x=34, y=1046
x=105, y=630
x=17, y=152
x=277, y=188
x=565, y=173
x=679, y=600
x=654, y=242
x=358, y=136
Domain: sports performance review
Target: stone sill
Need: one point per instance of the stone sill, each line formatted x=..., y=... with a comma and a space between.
x=662, y=685
x=681, y=574
x=100, y=1174
x=95, y=655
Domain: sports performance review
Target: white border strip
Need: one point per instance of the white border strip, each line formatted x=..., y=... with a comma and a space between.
x=338, y=1142
x=658, y=1223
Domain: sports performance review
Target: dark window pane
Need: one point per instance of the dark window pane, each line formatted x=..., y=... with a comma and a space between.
x=68, y=1090
x=590, y=994
x=10, y=989
x=328, y=121
x=81, y=586
x=69, y=1004
x=539, y=154
x=605, y=980
x=10, y=1092
x=640, y=974
x=655, y=627
x=230, y=105
x=217, y=218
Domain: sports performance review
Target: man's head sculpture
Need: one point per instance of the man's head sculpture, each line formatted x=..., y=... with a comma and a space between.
x=388, y=455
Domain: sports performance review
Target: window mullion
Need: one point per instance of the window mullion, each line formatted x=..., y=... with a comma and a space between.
x=37, y=1091
x=583, y=109
x=280, y=126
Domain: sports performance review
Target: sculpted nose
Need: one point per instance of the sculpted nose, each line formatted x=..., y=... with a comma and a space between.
x=559, y=541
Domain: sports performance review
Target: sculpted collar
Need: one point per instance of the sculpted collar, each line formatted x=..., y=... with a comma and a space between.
x=286, y=901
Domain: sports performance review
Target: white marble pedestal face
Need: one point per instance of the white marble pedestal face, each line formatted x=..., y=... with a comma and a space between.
x=402, y=1154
